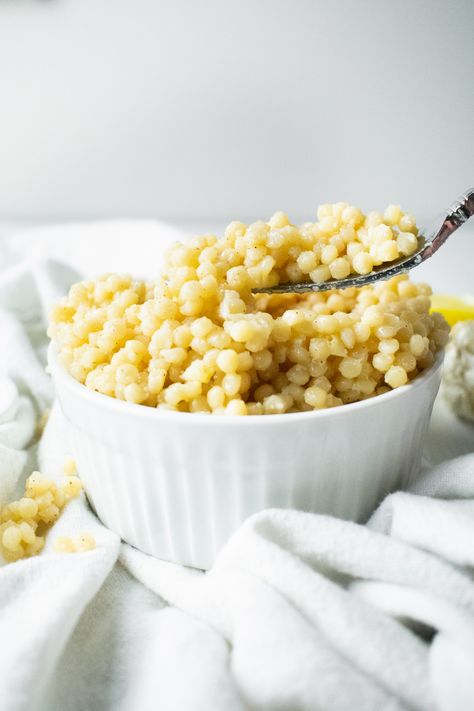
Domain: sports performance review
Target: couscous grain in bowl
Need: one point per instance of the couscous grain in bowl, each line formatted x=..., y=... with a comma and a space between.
x=154, y=378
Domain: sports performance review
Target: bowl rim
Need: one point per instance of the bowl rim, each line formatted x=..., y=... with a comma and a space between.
x=58, y=372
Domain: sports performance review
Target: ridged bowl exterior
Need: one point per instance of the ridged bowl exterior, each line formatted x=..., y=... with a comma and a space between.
x=178, y=485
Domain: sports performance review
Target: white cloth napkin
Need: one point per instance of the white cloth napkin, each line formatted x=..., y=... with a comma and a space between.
x=300, y=611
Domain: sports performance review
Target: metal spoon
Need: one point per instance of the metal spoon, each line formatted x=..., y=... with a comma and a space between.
x=429, y=241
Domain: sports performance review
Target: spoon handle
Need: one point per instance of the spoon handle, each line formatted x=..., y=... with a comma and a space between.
x=456, y=215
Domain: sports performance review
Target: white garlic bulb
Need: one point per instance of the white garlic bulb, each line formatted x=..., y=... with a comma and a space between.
x=458, y=374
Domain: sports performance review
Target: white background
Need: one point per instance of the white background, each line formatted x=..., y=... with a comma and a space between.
x=216, y=109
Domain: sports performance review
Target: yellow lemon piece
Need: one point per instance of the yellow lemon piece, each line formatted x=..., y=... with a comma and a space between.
x=453, y=308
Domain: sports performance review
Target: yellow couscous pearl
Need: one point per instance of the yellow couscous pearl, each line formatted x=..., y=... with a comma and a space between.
x=69, y=467
x=85, y=542
x=350, y=367
x=11, y=538
x=227, y=361
x=315, y=396
x=417, y=345
x=340, y=268
x=396, y=376
x=236, y=407
x=382, y=361
x=362, y=263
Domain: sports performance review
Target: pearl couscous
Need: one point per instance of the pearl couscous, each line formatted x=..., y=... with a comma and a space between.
x=198, y=340
x=23, y=523
x=80, y=544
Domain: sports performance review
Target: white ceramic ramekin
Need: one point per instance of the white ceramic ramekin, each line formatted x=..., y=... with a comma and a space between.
x=177, y=485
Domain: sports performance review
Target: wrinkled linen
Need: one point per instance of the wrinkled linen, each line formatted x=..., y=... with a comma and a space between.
x=300, y=611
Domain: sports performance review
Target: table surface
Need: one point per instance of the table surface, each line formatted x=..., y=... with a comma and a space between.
x=450, y=271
